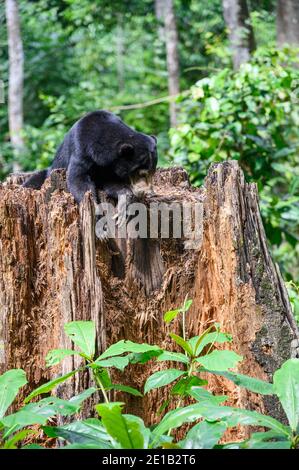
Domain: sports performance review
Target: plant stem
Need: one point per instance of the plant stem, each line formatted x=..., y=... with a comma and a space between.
x=99, y=383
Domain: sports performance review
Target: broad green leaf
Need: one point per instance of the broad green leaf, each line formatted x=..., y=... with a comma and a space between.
x=22, y=418
x=210, y=338
x=181, y=342
x=83, y=334
x=162, y=378
x=89, y=431
x=231, y=416
x=177, y=417
x=235, y=416
x=89, y=445
x=267, y=445
x=119, y=362
x=220, y=360
x=202, y=395
x=129, y=431
x=47, y=387
x=171, y=315
x=55, y=356
x=196, y=340
x=142, y=358
x=250, y=383
x=286, y=385
x=19, y=436
x=77, y=400
x=10, y=383
x=173, y=356
x=126, y=388
x=184, y=385
x=39, y=412
x=127, y=347
x=264, y=440
x=204, y=435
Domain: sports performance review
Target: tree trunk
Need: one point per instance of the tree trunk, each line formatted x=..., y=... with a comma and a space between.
x=120, y=53
x=240, y=32
x=288, y=22
x=171, y=38
x=15, y=88
x=53, y=270
x=159, y=12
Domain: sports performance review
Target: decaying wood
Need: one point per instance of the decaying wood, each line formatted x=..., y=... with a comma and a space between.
x=53, y=270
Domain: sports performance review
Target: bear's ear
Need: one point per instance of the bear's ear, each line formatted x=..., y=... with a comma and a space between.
x=126, y=151
x=154, y=137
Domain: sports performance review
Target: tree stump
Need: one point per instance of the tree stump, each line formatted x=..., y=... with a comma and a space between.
x=53, y=270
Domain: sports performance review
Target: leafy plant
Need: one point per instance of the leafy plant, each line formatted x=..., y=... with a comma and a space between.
x=251, y=116
x=114, y=429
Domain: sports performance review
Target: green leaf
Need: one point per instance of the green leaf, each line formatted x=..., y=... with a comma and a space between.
x=104, y=376
x=237, y=416
x=83, y=334
x=142, y=358
x=250, y=383
x=126, y=388
x=19, y=436
x=204, y=435
x=55, y=356
x=77, y=400
x=162, y=378
x=173, y=356
x=38, y=413
x=47, y=387
x=220, y=360
x=127, y=430
x=127, y=347
x=10, y=383
x=231, y=416
x=196, y=340
x=89, y=431
x=89, y=445
x=209, y=338
x=176, y=418
x=264, y=440
x=171, y=315
x=286, y=385
x=184, y=385
x=267, y=445
x=202, y=395
x=187, y=305
x=181, y=342
x=119, y=362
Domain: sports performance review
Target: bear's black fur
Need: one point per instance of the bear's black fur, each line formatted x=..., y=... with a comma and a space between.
x=101, y=152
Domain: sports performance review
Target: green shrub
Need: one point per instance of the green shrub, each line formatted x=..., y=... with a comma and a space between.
x=251, y=116
x=117, y=430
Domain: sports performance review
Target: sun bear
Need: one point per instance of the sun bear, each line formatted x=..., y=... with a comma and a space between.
x=101, y=152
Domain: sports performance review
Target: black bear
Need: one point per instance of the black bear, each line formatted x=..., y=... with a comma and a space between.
x=101, y=152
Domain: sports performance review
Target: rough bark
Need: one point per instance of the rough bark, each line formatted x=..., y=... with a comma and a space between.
x=171, y=40
x=241, y=36
x=15, y=87
x=288, y=22
x=54, y=270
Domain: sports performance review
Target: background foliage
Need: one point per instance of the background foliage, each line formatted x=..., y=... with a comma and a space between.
x=73, y=65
